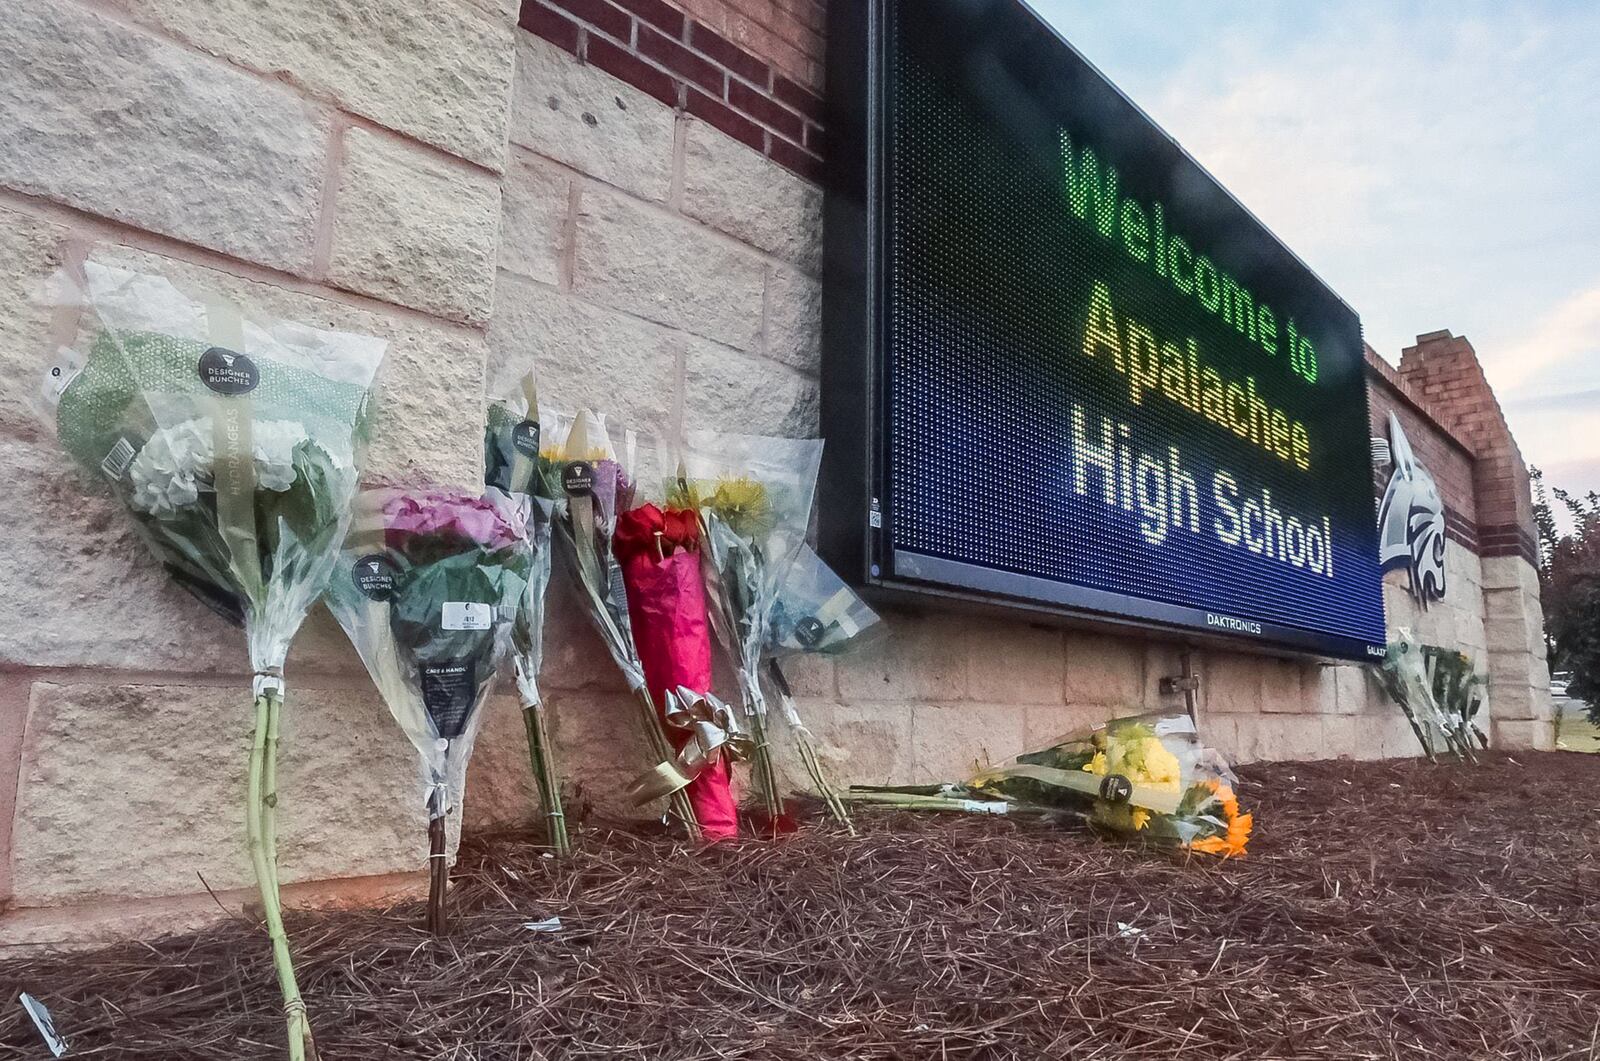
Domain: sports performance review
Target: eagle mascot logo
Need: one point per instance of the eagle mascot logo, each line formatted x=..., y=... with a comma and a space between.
x=1411, y=521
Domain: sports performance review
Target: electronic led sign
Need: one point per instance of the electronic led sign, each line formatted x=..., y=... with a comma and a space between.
x=1064, y=369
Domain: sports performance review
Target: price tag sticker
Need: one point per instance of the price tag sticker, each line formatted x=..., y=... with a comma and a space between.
x=466, y=615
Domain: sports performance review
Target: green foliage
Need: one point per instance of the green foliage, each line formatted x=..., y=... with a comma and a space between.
x=1570, y=578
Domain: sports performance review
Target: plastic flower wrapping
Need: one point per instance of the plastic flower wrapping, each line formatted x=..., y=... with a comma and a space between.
x=754, y=498
x=590, y=483
x=234, y=440
x=1439, y=692
x=427, y=589
x=659, y=550
x=816, y=611
x=511, y=476
x=1146, y=777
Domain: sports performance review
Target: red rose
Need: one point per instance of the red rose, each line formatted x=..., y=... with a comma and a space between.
x=636, y=532
x=681, y=529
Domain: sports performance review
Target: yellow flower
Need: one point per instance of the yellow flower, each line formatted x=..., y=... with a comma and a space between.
x=559, y=455
x=745, y=505
x=1121, y=817
x=1232, y=844
x=1142, y=759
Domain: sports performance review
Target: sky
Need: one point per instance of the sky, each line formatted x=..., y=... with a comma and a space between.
x=1435, y=162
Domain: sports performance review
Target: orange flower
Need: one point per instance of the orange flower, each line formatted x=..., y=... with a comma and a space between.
x=1232, y=844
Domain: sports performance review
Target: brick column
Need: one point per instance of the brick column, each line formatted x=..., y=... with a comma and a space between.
x=1445, y=370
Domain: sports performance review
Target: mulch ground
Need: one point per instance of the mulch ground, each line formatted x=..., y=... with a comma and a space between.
x=1386, y=910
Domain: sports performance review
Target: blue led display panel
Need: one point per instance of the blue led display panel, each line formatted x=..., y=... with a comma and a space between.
x=1097, y=383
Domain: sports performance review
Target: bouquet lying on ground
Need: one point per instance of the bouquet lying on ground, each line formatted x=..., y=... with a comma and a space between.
x=1147, y=777
x=511, y=473
x=1437, y=691
x=588, y=487
x=427, y=589
x=815, y=612
x=753, y=496
x=234, y=440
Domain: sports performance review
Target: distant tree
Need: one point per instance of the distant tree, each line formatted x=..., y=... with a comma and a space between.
x=1544, y=518
x=1570, y=586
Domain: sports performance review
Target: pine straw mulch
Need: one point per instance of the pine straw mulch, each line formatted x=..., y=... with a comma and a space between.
x=1386, y=910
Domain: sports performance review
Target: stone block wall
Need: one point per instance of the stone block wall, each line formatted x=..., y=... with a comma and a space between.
x=627, y=195
x=337, y=163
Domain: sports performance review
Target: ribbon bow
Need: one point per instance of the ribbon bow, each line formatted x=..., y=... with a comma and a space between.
x=714, y=730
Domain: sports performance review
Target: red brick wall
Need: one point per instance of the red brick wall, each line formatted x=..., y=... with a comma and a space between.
x=752, y=68
x=786, y=33
x=1447, y=458
x=1444, y=369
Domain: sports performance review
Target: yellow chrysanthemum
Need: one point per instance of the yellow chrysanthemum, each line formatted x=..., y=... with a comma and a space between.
x=1122, y=817
x=744, y=503
x=1144, y=760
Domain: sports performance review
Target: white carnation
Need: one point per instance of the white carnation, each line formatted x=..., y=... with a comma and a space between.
x=174, y=466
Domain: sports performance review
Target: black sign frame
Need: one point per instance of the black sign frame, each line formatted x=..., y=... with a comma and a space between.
x=856, y=502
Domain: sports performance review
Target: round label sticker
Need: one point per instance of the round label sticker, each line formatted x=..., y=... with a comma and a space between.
x=374, y=576
x=525, y=437
x=1116, y=788
x=809, y=631
x=577, y=478
x=228, y=373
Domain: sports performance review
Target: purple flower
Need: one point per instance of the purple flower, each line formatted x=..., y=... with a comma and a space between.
x=447, y=515
x=605, y=488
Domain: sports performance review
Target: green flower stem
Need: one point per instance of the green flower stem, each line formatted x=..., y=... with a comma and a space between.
x=269, y=796
x=808, y=756
x=541, y=756
x=661, y=748
x=261, y=829
x=438, y=865
x=766, y=777
x=808, y=751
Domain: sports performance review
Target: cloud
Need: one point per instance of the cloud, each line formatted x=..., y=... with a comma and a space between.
x=1557, y=353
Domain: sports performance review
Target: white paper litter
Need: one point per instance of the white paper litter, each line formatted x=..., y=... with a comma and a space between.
x=549, y=924
x=42, y=1021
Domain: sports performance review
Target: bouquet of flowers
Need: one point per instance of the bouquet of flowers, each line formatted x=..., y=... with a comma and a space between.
x=815, y=612
x=511, y=471
x=753, y=496
x=235, y=441
x=660, y=554
x=1147, y=777
x=588, y=486
x=1409, y=676
x=428, y=586
x=1457, y=688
